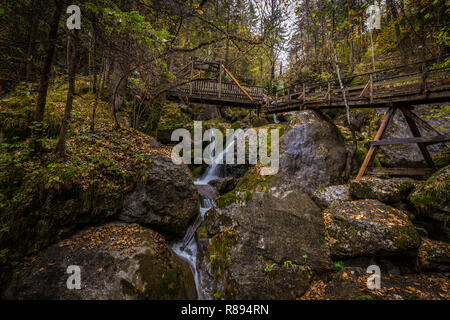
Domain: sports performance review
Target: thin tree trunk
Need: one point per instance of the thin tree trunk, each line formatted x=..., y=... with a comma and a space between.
x=45, y=74
x=61, y=145
x=31, y=42
x=347, y=108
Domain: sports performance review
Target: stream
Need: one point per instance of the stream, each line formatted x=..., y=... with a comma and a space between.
x=186, y=248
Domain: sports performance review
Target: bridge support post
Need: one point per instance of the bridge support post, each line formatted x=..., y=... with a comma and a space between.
x=373, y=149
x=416, y=133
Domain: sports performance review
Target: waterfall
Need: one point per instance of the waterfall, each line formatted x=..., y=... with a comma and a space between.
x=186, y=248
x=275, y=119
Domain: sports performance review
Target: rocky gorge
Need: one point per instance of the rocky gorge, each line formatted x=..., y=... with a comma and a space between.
x=308, y=232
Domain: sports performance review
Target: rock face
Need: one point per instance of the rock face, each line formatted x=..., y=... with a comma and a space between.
x=369, y=228
x=117, y=261
x=312, y=154
x=167, y=201
x=434, y=255
x=409, y=155
x=266, y=248
x=386, y=190
x=323, y=197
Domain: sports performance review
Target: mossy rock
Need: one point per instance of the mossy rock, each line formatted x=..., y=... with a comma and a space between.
x=434, y=194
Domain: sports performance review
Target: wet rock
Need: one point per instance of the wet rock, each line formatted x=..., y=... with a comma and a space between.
x=369, y=228
x=207, y=191
x=386, y=190
x=117, y=261
x=434, y=255
x=224, y=185
x=312, y=154
x=323, y=197
x=266, y=248
x=167, y=201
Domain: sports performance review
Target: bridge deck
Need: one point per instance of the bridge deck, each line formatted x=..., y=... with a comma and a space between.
x=213, y=92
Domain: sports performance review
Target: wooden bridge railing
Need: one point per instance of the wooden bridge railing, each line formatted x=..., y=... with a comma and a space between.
x=367, y=88
x=212, y=88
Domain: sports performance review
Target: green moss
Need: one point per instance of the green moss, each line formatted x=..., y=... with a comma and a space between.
x=219, y=249
x=434, y=192
x=364, y=297
x=227, y=199
x=202, y=233
x=197, y=172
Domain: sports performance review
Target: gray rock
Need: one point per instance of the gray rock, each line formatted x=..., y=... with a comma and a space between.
x=167, y=201
x=386, y=190
x=312, y=154
x=267, y=248
x=369, y=228
x=117, y=261
x=325, y=196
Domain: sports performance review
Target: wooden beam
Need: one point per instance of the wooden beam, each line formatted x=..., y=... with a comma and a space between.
x=237, y=82
x=400, y=171
x=420, y=121
x=423, y=140
x=416, y=133
x=373, y=149
x=369, y=83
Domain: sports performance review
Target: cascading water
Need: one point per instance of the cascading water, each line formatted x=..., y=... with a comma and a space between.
x=187, y=247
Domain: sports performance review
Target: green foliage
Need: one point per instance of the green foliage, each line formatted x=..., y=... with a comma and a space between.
x=339, y=265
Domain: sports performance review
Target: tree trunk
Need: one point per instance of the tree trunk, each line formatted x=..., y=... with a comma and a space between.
x=61, y=145
x=31, y=42
x=45, y=74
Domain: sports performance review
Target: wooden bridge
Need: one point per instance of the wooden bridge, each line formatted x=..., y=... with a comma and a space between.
x=410, y=84
x=396, y=88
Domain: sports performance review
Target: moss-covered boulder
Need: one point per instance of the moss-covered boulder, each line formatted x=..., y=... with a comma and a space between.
x=264, y=248
x=173, y=117
x=369, y=228
x=434, y=195
x=386, y=190
x=434, y=255
x=116, y=261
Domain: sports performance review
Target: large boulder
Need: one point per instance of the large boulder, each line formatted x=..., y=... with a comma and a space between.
x=167, y=201
x=264, y=247
x=327, y=195
x=386, y=190
x=434, y=255
x=369, y=228
x=116, y=261
x=312, y=154
x=434, y=194
x=409, y=155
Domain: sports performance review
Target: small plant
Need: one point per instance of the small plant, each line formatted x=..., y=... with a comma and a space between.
x=269, y=267
x=288, y=264
x=338, y=265
x=305, y=256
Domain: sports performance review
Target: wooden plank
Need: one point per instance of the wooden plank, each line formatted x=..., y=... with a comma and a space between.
x=373, y=149
x=423, y=140
x=402, y=172
x=416, y=133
